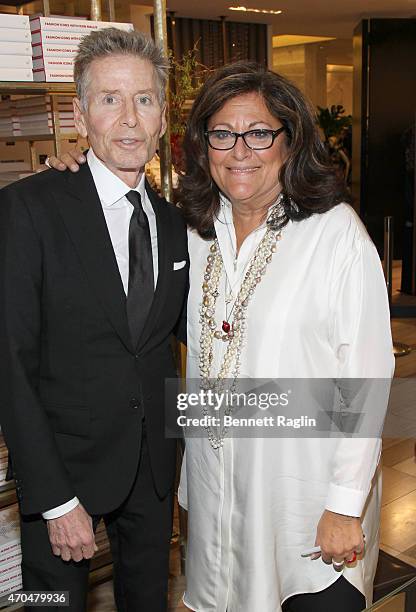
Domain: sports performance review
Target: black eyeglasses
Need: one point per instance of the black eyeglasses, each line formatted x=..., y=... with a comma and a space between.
x=223, y=140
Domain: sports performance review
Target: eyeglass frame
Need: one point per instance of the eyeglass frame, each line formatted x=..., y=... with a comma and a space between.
x=237, y=135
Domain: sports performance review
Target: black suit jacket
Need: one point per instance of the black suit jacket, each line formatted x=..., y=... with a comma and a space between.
x=74, y=390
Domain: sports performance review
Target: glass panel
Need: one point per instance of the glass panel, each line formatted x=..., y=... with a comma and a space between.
x=396, y=600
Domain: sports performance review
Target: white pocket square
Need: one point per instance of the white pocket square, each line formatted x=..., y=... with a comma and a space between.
x=178, y=265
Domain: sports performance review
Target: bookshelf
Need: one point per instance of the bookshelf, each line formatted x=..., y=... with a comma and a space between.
x=14, y=87
x=54, y=90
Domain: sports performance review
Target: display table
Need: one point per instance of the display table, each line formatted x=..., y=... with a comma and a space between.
x=402, y=599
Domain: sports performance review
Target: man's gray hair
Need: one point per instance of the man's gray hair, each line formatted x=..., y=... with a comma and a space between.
x=112, y=41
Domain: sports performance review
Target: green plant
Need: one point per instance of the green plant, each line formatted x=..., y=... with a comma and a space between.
x=333, y=121
x=187, y=75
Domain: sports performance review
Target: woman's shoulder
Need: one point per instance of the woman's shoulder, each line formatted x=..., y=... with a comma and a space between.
x=343, y=221
x=195, y=238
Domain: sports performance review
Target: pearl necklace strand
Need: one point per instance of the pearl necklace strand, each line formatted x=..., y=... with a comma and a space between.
x=233, y=333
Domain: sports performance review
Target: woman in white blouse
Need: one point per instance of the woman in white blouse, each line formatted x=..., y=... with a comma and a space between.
x=262, y=202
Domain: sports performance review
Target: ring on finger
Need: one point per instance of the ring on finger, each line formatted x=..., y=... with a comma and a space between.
x=338, y=565
x=353, y=558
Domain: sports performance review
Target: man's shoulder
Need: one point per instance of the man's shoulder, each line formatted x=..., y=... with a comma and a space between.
x=36, y=185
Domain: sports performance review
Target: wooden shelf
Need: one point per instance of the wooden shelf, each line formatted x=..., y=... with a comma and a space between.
x=28, y=87
x=7, y=494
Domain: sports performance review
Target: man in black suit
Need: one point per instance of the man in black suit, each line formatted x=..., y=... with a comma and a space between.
x=94, y=272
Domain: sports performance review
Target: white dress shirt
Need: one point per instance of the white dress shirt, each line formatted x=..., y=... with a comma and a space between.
x=117, y=212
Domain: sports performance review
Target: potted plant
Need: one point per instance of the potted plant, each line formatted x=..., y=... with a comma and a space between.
x=187, y=76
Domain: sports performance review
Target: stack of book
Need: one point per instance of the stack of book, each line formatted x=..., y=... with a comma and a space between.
x=55, y=43
x=15, y=48
x=10, y=551
x=3, y=461
x=33, y=116
x=6, y=118
x=10, y=171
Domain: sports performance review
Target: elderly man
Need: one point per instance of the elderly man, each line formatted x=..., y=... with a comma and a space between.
x=94, y=271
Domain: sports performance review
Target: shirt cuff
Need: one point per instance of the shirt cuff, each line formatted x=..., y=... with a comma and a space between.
x=343, y=500
x=61, y=510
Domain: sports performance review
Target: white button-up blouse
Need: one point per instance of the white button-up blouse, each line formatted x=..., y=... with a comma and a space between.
x=321, y=311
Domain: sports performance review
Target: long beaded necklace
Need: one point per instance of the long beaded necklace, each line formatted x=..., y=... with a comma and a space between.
x=233, y=333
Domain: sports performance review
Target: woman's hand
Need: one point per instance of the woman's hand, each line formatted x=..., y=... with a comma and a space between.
x=72, y=160
x=340, y=537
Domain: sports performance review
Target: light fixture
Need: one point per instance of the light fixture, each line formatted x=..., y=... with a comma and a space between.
x=287, y=40
x=339, y=68
x=245, y=9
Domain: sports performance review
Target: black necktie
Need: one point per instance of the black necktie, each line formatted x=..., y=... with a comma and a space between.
x=141, y=279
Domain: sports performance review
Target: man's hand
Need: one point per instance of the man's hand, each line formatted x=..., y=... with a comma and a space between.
x=72, y=536
x=339, y=537
x=72, y=160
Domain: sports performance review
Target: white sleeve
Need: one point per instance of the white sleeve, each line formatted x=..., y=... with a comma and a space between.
x=61, y=510
x=361, y=338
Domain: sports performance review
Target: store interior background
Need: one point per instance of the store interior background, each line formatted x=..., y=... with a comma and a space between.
x=319, y=46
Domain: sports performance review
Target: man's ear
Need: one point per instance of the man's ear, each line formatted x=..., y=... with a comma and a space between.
x=79, y=118
x=164, y=122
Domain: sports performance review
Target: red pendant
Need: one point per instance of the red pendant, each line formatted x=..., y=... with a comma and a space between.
x=226, y=327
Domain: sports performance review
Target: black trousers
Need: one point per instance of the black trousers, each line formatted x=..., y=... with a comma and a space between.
x=341, y=596
x=139, y=533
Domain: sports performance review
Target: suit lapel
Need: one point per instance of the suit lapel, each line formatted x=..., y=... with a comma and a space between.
x=82, y=212
x=160, y=208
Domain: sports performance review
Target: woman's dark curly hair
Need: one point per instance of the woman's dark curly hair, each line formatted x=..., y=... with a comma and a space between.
x=309, y=182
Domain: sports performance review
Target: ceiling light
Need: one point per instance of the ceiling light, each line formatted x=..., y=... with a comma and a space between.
x=245, y=9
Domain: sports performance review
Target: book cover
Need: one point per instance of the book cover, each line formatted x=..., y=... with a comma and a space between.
x=28, y=101
x=14, y=165
x=44, y=131
x=11, y=558
x=39, y=125
x=16, y=61
x=28, y=111
x=9, y=529
x=15, y=35
x=11, y=582
x=28, y=104
x=60, y=76
x=45, y=116
x=15, y=48
x=16, y=74
x=74, y=25
x=54, y=63
x=56, y=37
x=14, y=21
x=11, y=566
x=46, y=50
